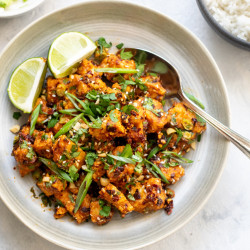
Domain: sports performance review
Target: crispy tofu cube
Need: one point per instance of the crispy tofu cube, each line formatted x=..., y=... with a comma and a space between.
x=83, y=212
x=149, y=196
x=60, y=212
x=155, y=89
x=86, y=69
x=26, y=158
x=183, y=118
x=122, y=174
x=111, y=127
x=136, y=124
x=66, y=153
x=43, y=144
x=155, y=115
x=99, y=171
x=173, y=174
x=111, y=194
x=51, y=184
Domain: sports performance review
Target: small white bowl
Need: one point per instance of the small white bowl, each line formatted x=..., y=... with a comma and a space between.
x=23, y=8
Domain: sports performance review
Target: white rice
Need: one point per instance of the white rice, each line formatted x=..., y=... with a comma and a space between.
x=233, y=15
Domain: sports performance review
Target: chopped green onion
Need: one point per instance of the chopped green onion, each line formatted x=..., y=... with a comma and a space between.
x=83, y=190
x=199, y=138
x=158, y=170
x=68, y=111
x=195, y=100
x=68, y=126
x=119, y=46
x=34, y=117
x=177, y=157
x=54, y=168
x=17, y=115
x=117, y=70
x=122, y=159
x=126, y=55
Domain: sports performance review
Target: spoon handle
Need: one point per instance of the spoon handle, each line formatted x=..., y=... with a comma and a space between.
x=239, y=141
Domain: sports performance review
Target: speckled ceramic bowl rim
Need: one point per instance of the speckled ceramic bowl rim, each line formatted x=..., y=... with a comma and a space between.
x=22, y=10
x=48, y=237
x=219, y=29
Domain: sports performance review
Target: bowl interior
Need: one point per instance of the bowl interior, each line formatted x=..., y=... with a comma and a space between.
x=138, y=27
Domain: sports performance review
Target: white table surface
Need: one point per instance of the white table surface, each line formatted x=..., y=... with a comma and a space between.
x=224, y=222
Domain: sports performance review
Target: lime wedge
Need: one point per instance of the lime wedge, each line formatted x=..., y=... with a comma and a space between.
x=67, y=50
x=26, y=83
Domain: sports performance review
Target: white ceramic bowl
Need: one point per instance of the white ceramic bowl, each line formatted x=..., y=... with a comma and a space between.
x=136, y=26
x=23, y=8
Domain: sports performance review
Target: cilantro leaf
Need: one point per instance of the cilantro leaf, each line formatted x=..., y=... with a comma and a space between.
x=126, y=55
x=102, y=42
x=128, y=108
x=119, y=46
x=149, y=105
x=54, y=120
x=17, y=115
x=90, y=159
x=73, y=173
x=105, y=212
x=113, y=116
x=180, y=134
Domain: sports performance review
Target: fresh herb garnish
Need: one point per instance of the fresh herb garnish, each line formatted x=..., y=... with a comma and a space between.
x=131, y=197
x=17, y=115
x=54, y=120
x=126, y=55
x=68, y=126
x=113, y=116
x=138, y=168
x=34, y=117
x=44, y=137
x=119, y=46
x=117, y=70
x=200, y=120
x=157, y=149
x=83, y=190
x=177, y=157
x=180, y=134
x=78, y=134
x=199, y=138
x=156, y=169
x=127, y=156
x=45, y=200
x=54, y=168
x=105, y=210
x=71, y=198
x=73, y=173
x=195, y=100
x=149, y=105
x=90, y=159
x=101, y=43
x=128, y=108
x=31, y=153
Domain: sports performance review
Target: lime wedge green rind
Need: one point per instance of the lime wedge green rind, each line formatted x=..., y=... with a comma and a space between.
x=26, y=83
x=67, y=51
